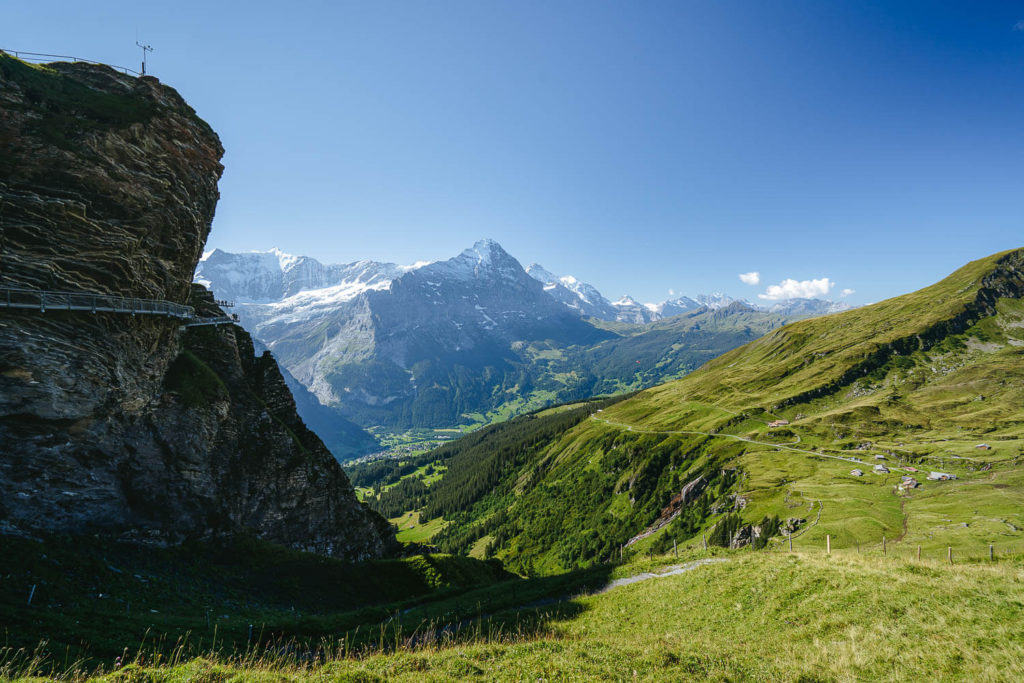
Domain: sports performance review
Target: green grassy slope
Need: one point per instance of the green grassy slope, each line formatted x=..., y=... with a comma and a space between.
x=754, y=616
x=463, y=471
x=95, y=597
x=821, y=356
x=920, y=379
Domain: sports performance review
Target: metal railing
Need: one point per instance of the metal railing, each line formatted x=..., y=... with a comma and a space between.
x=43, y=58
x=213, y=320
x=43, y=301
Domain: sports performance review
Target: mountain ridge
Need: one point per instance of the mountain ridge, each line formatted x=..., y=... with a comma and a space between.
x=469, y=339
x=927, y=381
x=312, y=275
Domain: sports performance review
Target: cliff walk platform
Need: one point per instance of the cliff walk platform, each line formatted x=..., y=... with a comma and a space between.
x=43, y=301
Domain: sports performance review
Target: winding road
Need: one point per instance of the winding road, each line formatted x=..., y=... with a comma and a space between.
x=631, y=428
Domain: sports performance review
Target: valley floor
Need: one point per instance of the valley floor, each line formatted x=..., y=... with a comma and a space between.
x=771, y=615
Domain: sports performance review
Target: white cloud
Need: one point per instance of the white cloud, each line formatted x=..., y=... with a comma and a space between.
x=752, y=278
x=798, y=289
x=1019, y=26
x=847, y=292
x=671, y=292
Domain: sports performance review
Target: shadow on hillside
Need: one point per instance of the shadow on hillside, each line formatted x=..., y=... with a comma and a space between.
x=510, y=611
x=91, y=599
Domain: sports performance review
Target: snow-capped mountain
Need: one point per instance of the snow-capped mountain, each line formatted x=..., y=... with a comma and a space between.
x=678, y=306
x=807, y=308
x=571, y=292
x=718, y=300
x=629, y=310
x=409, y=345
x=586, y=299
x=268, y=276
x=428, y=344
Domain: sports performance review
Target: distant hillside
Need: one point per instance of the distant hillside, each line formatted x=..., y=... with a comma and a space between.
x=921, y=380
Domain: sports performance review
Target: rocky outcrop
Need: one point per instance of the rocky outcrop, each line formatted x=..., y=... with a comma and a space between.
x=674, y=508
x=125, y=423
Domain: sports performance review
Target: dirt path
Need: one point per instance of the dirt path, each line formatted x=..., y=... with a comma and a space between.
x=807, y=527
x=783, y=447
x=906, y=518
x=671, y=571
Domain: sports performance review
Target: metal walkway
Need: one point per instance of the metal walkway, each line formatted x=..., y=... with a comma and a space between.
x=42, y=301
x=218, y=320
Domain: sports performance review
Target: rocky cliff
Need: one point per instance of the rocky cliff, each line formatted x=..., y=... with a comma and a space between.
x=108, y=185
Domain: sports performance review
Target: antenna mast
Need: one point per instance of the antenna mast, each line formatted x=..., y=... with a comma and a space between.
x=145, y=49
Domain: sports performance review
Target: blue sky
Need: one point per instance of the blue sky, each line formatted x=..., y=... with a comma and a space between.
x=643, y=147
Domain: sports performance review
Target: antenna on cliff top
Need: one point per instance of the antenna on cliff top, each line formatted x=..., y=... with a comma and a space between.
x=145, y=49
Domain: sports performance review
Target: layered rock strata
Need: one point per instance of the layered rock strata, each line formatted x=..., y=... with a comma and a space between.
x=125, y=423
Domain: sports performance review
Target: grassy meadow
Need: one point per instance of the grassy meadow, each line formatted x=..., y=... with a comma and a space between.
x=411, y=530
x=757, y=616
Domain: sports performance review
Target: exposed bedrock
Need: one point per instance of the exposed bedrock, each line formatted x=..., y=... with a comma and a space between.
x=125, y=423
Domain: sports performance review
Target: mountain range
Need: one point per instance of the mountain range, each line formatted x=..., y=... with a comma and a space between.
x=467, y=340
x=898, y=420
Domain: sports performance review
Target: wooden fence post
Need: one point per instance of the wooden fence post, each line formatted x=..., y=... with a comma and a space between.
x=918, y=553
x=949, y=553
x=828, y=544
x=991, y=553
x=675, y=548
x=883, y=546
x=790, y=541
x=704, y=538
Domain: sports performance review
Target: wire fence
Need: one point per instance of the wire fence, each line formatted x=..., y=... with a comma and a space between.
x=953, y=552
x=43, y=58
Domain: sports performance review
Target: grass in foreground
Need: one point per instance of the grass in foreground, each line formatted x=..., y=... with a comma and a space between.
x=757, y=616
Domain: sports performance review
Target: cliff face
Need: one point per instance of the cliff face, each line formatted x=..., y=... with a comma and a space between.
x=108, y=185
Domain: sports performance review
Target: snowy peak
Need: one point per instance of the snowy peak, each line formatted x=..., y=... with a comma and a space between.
x=629, y=310
x=255, y=276
x=716, y=300
x=577, y=295
x=484, y=260
x=273, y=275
x=678, y=306
x=808, y=307
x=486, y=251
x=285, y=261
x=585, y=299
x=542, y=274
